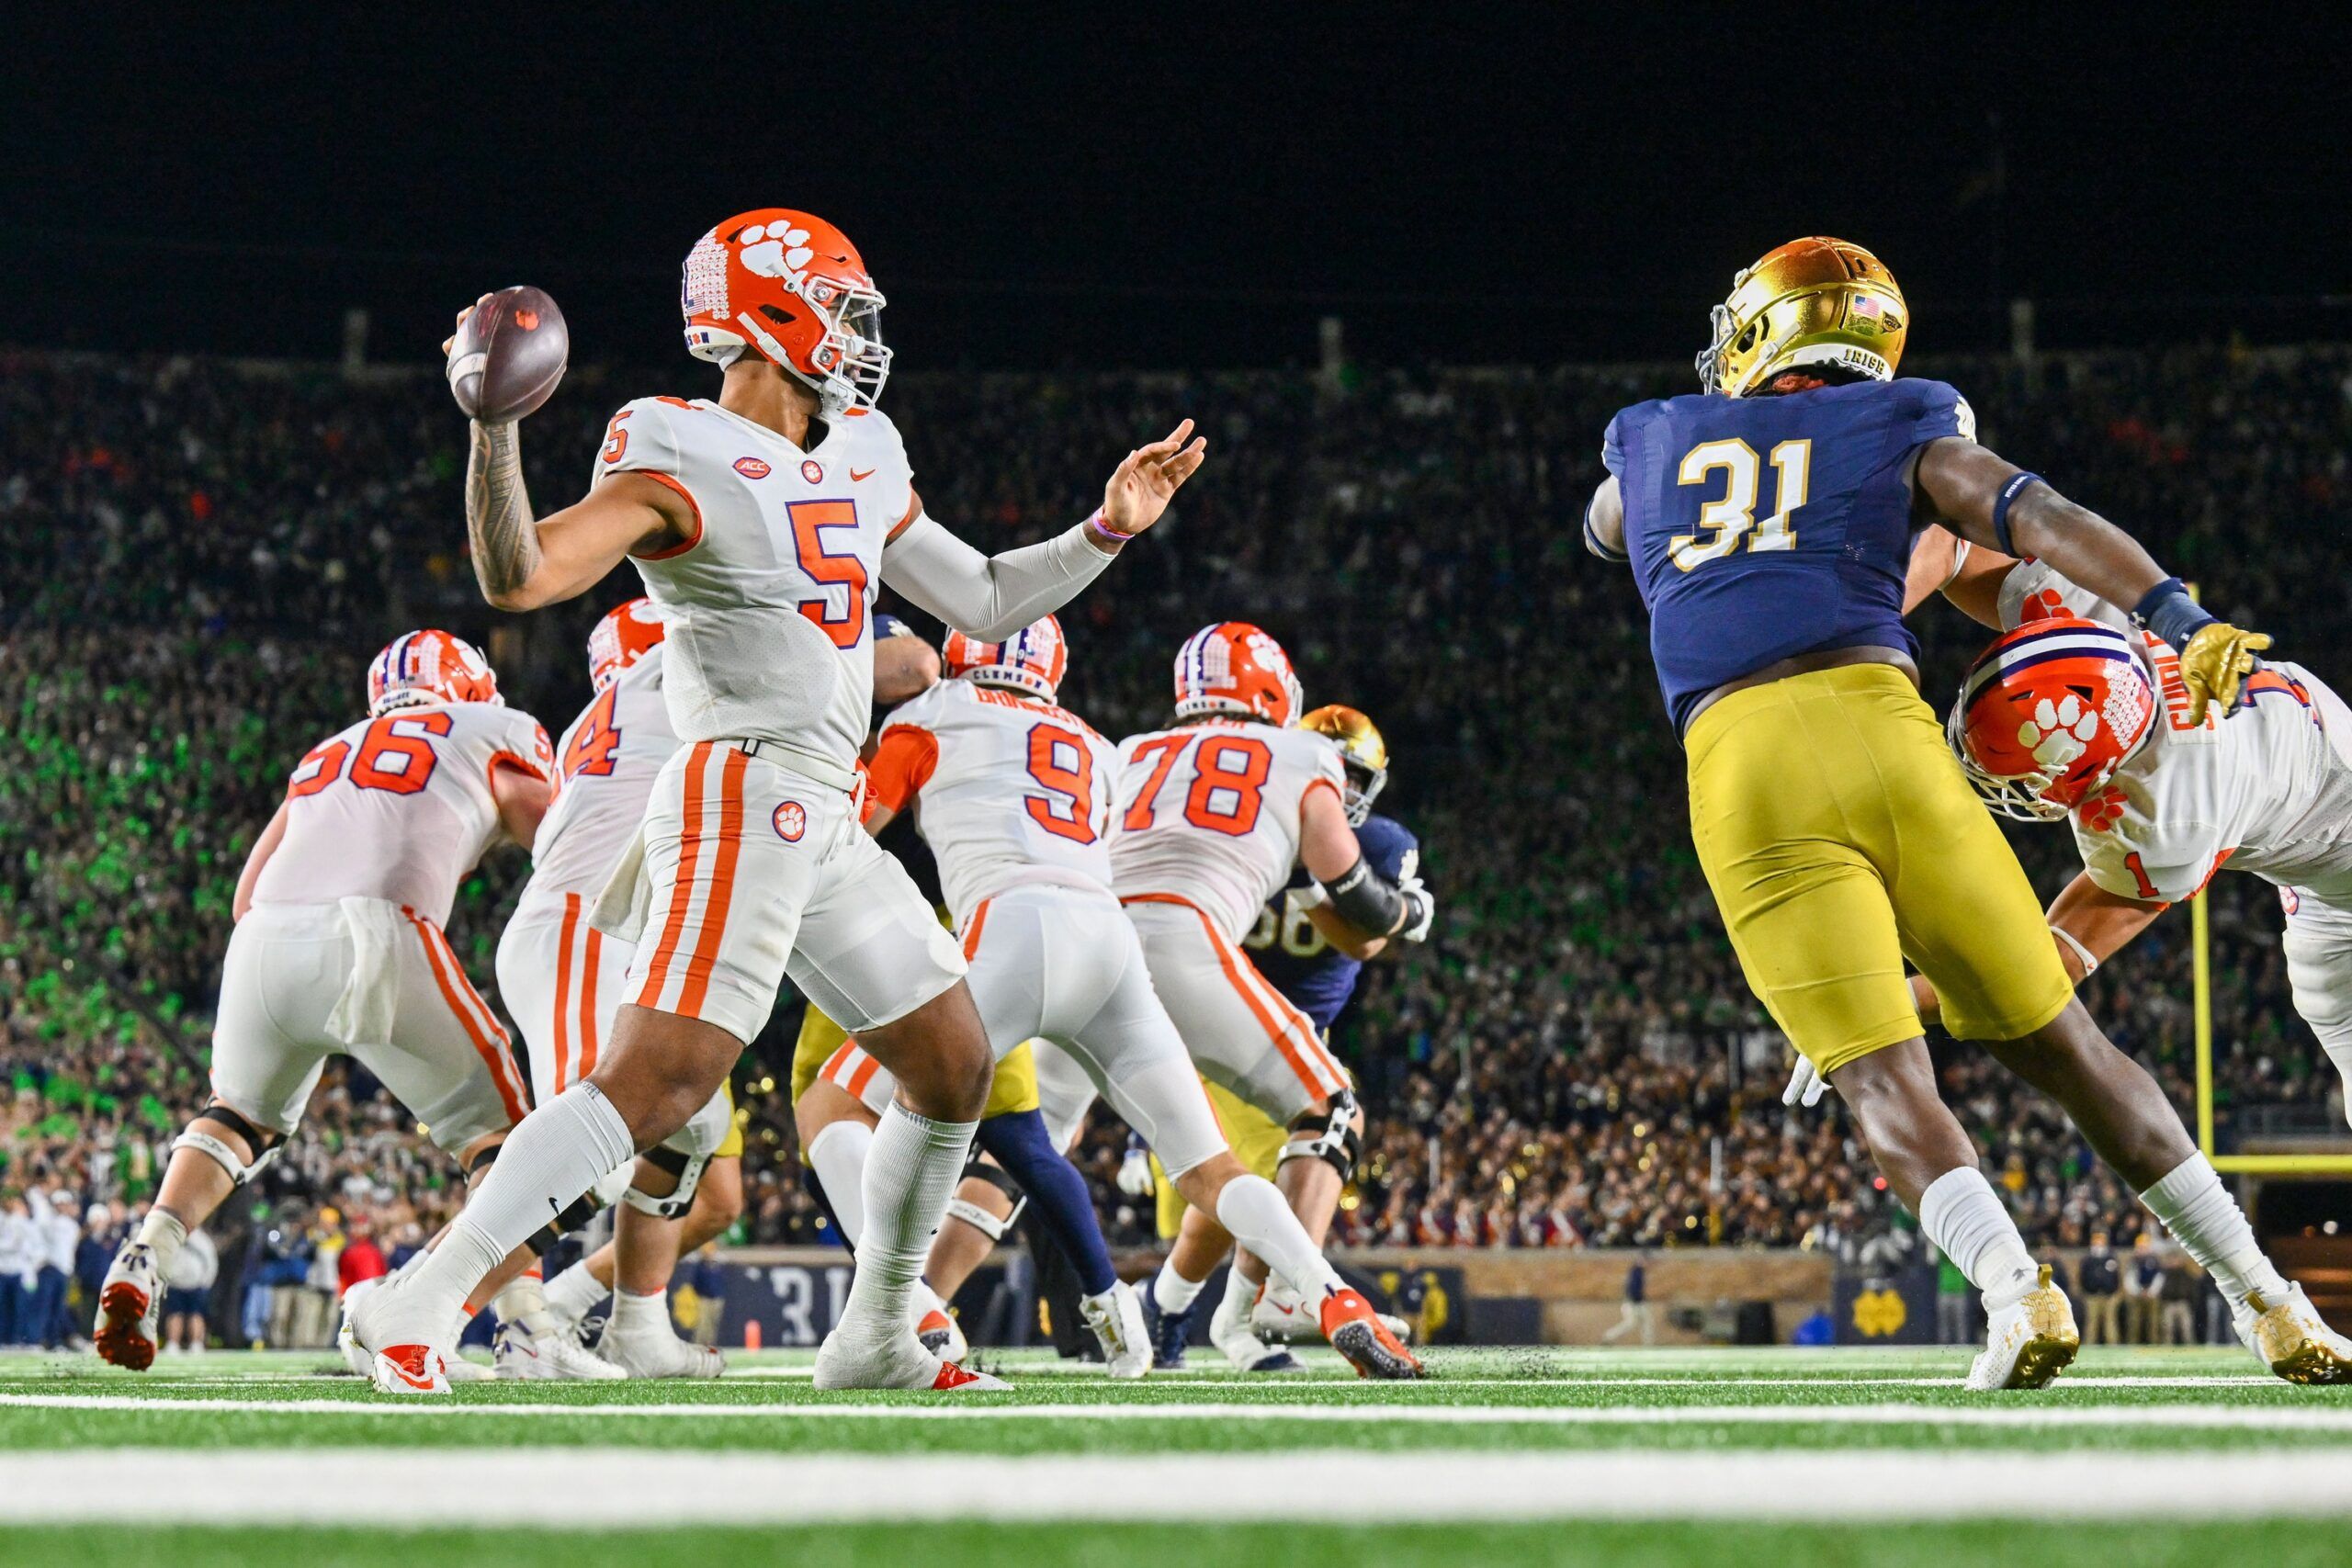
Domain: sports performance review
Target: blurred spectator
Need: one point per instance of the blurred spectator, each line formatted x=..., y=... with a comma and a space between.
x=190, y=1294
x=2143, y=1289
x=2098, y=1286
x=1636, y=1312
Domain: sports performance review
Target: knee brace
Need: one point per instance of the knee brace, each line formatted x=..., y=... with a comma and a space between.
x=195, y=1138
x=1328, y=1135
x=979, y=1219
x=579, y=1213
x=686, y=1168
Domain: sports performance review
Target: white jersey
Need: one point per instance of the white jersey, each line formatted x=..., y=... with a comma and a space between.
x=1013, y=792
x=2268, y=789
x=767, y=610
x=1209, y=813
x=399, y=807
x=608, y=759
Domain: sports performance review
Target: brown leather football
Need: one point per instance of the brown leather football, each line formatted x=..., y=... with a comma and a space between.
x=508, y=355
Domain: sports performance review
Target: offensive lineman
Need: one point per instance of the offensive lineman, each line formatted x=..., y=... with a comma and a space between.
x=337, y=950
x=1016, y=806
x=1818, y=778
x=1214, y=813
x=761, y=523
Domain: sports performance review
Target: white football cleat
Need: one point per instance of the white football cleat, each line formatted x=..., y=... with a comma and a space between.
x=347, y=1344
x=532, y=1349
x=655, y=1352
x=1230, y=1332
x=400, y=1338
x=130, y=1305
x=1279, y=1316
x=457, y=1369
x=2293, y=1340
x=2027, y=1344
x=901, y=1363
x=1117, y=1318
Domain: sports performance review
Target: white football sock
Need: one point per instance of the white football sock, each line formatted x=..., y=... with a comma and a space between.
x=837, y=1153
x=2210, y=1227
x=1171, y=1292
x=164, y=1232
x=1962, y=1215
x=632, y=1312
x=519, y=1297
x=911, y=1172
x=1252, y=1208
x=575, y=1293
x=553, y=1156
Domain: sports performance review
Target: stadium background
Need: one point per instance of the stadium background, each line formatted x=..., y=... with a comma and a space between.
x=227, y=474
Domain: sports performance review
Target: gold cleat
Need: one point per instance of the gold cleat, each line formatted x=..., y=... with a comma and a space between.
x=2293, y=1340
x=2028, y=1344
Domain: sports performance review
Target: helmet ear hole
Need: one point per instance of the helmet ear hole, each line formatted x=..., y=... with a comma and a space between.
x=1747, y=338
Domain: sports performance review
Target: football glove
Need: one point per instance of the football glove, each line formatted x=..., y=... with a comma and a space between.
x=2216, y=660
x=1806, y=1086
x=1135, y=1177
x=1420, y=910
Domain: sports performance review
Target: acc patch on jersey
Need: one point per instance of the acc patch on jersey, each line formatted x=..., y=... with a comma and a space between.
x=791, y=821
x=752, y=467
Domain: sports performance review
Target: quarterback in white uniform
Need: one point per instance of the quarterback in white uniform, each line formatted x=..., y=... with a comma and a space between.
x=338, y=949
x=762, y=524
x=1214, y=813
x=1015, y=803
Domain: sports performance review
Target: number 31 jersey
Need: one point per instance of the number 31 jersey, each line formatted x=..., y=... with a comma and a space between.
x=1012, y=790
x=608, y=760
x=1209, y=813
x=400, y=807
x=767, y=609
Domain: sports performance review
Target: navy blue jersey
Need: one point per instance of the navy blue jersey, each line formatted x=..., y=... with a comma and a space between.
x=1764, y=527
x=1287, y=949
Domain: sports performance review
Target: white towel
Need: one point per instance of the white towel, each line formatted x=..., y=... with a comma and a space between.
x=363, y=1014
x=627, y=901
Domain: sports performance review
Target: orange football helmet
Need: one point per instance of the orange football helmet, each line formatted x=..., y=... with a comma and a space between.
x=628, y=631
x=429, y=666
x=1034, y=659
x=792, y=289
x=2048, y=713
x=1235, y=667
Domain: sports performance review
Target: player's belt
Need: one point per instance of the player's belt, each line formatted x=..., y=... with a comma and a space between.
x=799, y=760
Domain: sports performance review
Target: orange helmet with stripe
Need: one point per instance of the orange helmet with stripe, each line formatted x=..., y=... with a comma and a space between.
x=2048, y=713
x=626, y=635
x=1034, y=658
x=429, y=666
x=791, y=288
x=1235, y=667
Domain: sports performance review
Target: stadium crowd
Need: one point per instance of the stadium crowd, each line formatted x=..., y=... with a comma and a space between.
x=204, y=555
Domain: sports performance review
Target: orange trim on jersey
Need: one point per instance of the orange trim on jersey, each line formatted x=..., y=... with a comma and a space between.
x=522, y=765
x=833, y=1062
x=722, y=884
x=914, y=510
x=481, y=1028
x=972, y=932
x=2214, y=870
x=681, y=890
x=675, y=550
x=1318, y=782
x=904, y=758
x=569, y=929
x=593, y=941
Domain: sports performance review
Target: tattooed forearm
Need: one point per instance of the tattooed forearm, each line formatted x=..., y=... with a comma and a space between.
x=498, y=512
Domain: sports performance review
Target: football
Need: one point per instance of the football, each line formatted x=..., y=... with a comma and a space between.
x=508, y=354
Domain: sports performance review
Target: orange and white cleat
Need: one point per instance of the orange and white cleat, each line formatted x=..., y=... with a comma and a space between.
x=130, y=1305
x=952, y=1379
x=900, y=1362
x=409, y=1369
x=1356, y=1332
x=395, y=1331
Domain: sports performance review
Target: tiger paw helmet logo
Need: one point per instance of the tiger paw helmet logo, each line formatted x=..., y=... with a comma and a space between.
x=2099, y=812
x=791, y=821
x=775, y=250
x=2043, y=606
x=2059, y=731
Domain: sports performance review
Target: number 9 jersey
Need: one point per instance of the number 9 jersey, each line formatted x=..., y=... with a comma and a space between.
x=1763, y=527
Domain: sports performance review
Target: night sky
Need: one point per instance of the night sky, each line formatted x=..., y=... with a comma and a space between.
x=1179, y=187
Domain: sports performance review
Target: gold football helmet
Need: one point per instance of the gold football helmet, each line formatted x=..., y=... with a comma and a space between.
x=1361, y=748
x=1814, y=301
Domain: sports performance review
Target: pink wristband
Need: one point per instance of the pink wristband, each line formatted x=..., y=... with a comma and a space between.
x=1112, y=535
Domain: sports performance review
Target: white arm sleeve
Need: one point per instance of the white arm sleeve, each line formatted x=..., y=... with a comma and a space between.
x=989, y=597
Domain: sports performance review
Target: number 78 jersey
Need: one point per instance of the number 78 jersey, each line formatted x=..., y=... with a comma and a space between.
x=1013, y=790
x=1209, y=814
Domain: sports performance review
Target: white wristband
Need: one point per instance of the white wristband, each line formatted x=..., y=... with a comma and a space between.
x=2090, y=965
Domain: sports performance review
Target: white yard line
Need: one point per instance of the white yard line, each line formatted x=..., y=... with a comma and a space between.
x=2022, y=1415
x=608, y=1487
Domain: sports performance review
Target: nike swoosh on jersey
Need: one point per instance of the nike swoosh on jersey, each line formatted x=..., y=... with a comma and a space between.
x=856, y=475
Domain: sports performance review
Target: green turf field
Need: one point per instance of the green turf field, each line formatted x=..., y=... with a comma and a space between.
x=1625, y=1458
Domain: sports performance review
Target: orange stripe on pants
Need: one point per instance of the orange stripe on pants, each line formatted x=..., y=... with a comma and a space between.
x=1234, y=965
x=972, y=932
x=722, y=884
x=563, y=991
x=681, y=890
x=456, y=990
x=592, y=943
